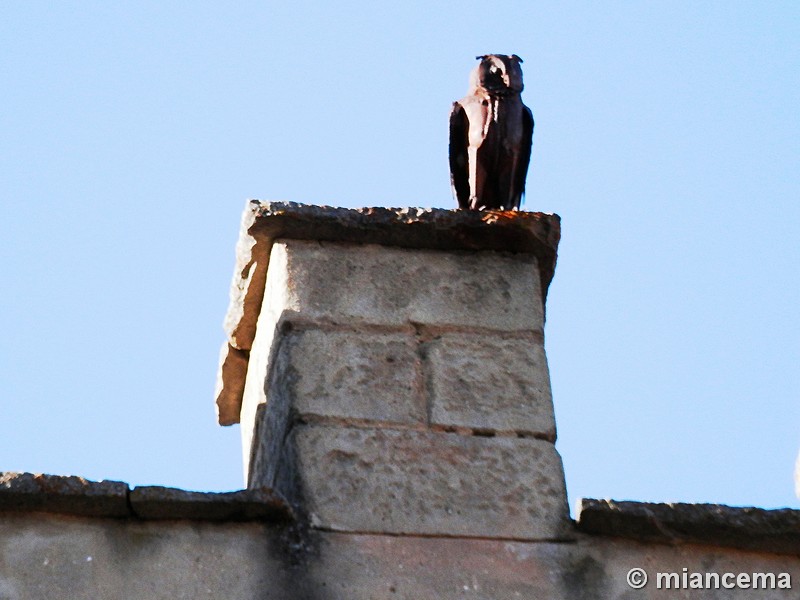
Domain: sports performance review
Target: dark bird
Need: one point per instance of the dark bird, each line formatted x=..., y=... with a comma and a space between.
x=491, y=132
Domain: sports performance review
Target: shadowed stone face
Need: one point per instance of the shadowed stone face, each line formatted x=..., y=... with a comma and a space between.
x=422, y=482
x=46, y=556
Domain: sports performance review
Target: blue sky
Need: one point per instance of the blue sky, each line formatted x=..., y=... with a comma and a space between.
x=131, y=135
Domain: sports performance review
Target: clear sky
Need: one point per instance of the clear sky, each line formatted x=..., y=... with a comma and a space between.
x=667, y=138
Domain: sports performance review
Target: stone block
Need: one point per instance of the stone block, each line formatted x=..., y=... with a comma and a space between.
x=353, y=375
x=490, y=383
x=428, y=483
x=381, y=285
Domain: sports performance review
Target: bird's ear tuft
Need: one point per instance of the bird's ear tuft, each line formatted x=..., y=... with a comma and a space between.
x=517, y=58
x=481, y=57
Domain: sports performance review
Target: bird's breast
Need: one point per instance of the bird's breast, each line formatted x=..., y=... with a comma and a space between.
x=495, y=118
x=506, y=122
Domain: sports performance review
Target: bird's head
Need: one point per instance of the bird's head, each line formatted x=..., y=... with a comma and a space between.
x=498, y=74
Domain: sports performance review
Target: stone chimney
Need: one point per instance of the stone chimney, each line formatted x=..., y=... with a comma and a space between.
x=388, y=369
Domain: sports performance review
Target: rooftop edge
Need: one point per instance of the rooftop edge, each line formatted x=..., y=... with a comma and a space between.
x=774, y=531
x=71, y=495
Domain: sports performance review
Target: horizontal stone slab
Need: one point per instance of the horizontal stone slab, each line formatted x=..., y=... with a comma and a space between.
x=490, y=383
x=746, y=528
x=70, y=495
x=374, y=376
x=429, y=483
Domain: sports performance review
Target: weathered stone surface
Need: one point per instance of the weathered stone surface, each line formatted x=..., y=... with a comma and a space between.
x=485, y=300
x=46, y=556
x=589, y=569
x=380, y=285
x=59, y=494
x=156, y=502
x=491, y=383
x=774, y=531
x=103, y=559
x=377, y=286
x=421, y=482
x=353, y=375
x=231, y=377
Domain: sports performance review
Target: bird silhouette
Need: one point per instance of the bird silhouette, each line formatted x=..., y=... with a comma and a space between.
x=491, y=132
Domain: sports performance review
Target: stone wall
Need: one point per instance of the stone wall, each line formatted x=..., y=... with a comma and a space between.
x=47, y=556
